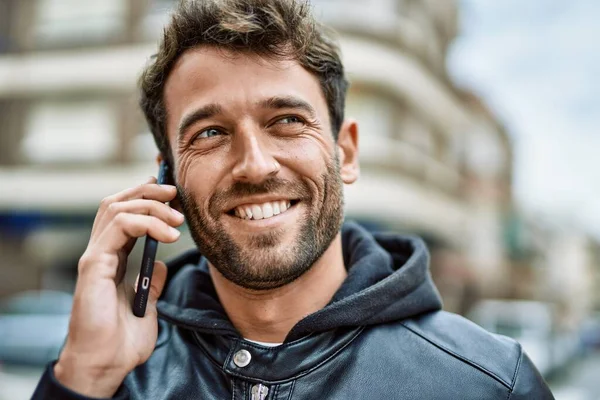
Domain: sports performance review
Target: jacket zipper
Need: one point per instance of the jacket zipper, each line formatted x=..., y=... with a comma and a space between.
x=259, y=392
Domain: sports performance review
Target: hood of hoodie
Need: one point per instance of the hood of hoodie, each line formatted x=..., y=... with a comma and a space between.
x=388, y=280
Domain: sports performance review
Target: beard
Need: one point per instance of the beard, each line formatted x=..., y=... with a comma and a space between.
x=262, y=261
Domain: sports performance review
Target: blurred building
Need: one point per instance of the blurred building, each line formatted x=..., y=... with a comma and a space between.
x=595, y=280
x=554, y=262
x=435, y=161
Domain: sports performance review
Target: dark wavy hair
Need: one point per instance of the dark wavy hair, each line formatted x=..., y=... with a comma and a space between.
x=278, y=29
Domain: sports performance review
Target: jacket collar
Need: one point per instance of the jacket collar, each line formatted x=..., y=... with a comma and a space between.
x=273, y=365
x=388, y=280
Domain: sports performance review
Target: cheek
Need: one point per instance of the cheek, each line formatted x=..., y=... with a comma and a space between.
x=197, y=175
x=309, y=156
x=185, y=164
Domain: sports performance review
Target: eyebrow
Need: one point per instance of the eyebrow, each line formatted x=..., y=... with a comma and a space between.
x=279, y=102
x=204, y=112
x=210, y=110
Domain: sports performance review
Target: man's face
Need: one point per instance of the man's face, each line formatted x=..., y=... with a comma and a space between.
x=257, y=166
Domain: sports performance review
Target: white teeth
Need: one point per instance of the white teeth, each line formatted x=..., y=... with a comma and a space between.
x=262, y=211
x=257, y=212
x=267, y=210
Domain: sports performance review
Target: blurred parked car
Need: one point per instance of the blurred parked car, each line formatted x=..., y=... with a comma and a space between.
x=33, y=327
x=533, y=324
x=590, y=333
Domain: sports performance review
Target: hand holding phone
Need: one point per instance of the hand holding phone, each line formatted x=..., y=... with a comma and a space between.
x=150, y=247
x=105, y=341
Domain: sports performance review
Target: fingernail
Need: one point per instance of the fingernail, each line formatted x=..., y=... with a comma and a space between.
x=177, y=213
x=175, y=232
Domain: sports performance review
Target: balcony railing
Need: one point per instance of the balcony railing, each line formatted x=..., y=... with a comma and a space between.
x=403, y=158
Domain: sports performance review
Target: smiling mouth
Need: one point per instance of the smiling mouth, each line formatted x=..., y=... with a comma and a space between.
x=260, y=211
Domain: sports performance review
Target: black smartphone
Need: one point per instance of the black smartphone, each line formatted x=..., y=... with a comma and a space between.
x=150, y=247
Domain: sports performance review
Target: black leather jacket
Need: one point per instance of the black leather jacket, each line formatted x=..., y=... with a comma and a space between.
x=382, y=336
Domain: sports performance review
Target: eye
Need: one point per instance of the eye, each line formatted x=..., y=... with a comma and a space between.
x=207, y=133
x=290, y=119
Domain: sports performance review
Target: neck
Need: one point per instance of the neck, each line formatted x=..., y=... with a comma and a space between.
x=269, y=315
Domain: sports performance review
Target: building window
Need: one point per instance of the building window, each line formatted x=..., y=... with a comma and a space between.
x=76, y=21
x=70, y=132
x=417, y=132
x=485, y=153
x=374, y=112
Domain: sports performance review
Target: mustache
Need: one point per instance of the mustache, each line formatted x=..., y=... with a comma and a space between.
x=286, y=188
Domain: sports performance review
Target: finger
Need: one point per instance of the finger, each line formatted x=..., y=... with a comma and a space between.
x=126, y=226
x=149, y=190
x=160, y=193
x=159, y=277
x=122, y=264
x=146, y=207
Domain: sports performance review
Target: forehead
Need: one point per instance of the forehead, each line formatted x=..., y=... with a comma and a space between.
x=208, y=75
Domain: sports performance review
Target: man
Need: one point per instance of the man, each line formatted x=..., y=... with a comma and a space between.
x=246, y=102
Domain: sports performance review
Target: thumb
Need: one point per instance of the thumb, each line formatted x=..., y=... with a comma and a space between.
x=159, y=277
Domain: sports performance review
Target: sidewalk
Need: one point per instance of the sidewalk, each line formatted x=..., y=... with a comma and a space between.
x=18, y=383
x=581, y=381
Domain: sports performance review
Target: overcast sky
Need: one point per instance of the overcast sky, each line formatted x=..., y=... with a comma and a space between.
x=537, y=64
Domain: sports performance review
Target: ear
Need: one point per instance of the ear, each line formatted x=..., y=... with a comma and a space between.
x=347, y=145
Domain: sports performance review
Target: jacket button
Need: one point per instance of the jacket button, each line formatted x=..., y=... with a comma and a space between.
x=242, y=358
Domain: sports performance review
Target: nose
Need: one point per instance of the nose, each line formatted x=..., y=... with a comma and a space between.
x=254, y=162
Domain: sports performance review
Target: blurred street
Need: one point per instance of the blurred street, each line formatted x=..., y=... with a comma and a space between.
x=464, y=108
x=18, y=383
x=580, y=381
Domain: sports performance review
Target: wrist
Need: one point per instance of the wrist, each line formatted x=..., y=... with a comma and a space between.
x=89, y=381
